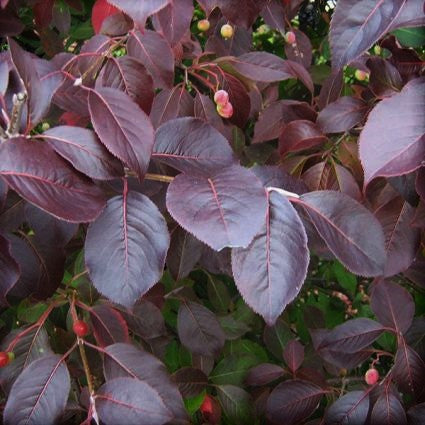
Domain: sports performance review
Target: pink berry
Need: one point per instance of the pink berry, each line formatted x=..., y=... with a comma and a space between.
x=204, y=25
x=225, y=111
x=371, y=376
x=221, y=97
x=361, y=75
x=290, y=37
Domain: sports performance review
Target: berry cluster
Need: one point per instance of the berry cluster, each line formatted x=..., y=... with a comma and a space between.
x=224, y=107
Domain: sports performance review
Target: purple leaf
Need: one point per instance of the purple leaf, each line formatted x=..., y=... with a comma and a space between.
x=357, y=24
x=388, y=410
x=122, y=127
x=342, y=115
x=125, y=360
x=83, y=150
x=352, y=336
x=243, y=16
x=401, y=239
x=412, y=15
x=126, y=247
x=416, y=414
x=130, y=401
x=192, y=146
x=199, y=330
x=269, y=273
x=190, y=381
x=154, y=52
x=301, y=50
x=293, y=401
x=10, y=270
x=352, y=408
x=39, y=394
x=384, y=80
x=331, y=88
x=41, y=177
x=140, y=10
x=222, y=210
x=109, y=326
x=392, y=141
x=129, y=75
x=293, y=354
x=350, y=231
x=263, y=374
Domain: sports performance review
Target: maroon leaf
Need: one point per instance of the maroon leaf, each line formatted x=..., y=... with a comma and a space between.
x=395, y=130
x=411, y=15
x=352, y=336
x=301, y=50
x=300, y=135
x=39, y=394
x=401, y=239
x=269, y=273
x=331, y=88
x=384, y=80
x=245, y=16
x=134, y=239
x=40, y=176
x=129, y=75
x=122, y=127
x=10, y=270
x=416, y=414
x=357, y=25
x=352, y=408
x=222, y=210
x=153, y=51
x=192, y=146
x=293, y=401
x=263, y=374
x=84, y=151
x=293, y=354
x=342, y=115
x=190, y=381
x=350, y=231
x=130, y=401
x=199, y=330
x=140, y=10
x=125, y=360
x=388, y=410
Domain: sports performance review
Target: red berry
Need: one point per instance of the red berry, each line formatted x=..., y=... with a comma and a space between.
x=203, y=25
x=80, y=328
x=211, y=411
x=290, y=37
x=361, y=75
x=226, y=31
x=371, y=376
x=221, y=97
x=4, y=359
x=225, y=111
x=207, y=407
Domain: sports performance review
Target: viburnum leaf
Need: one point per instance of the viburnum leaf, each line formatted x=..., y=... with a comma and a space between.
x=350, y=231
x=125, y=360
x=10, y=270
x=294, y=354
x=40, y=176
x=122, y=127
x=126, y=247
x=223, y=209
x=130, y=401
x=269, y=273
x=293, y=401
x=192, y=145
x=83, y=150
x=190, y=381
x=388, y=409
x=352, y=408
x=39, y=394
x=392, y=141
x=263, y=374
x=245, y=16
x=357, y=24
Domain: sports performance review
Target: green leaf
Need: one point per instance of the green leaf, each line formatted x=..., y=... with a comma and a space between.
x=30, y=313
x=411, y=37
x=233, y=369
x=194, y=403
x=237, y=404
x=218, y=294
x=346, y=279
x=246, y=346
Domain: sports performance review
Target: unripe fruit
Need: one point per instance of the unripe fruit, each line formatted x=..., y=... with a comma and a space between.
x=225, y=111
x=203, y=25
x=290, y=37
x=80, y=328
x=4, y=359
x=221, y=97
x=226, y=31
x=11, y=356
x=45, y=126
x=361, y=75
x=371, y=376
x=377, y=50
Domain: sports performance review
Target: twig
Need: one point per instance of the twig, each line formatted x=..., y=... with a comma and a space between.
x=15, y=121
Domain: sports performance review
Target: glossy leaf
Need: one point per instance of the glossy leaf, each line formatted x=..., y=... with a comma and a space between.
x=350, y=231
x=199, y=329
x=126, y=247
x=192, y=146
x=131, y=401
x=293, y=401
x=39, y=394
x=122, y=127
x=395, y=129
x=41, y=177
x=269, y=273
x=84, y=151
x=357, y=25
x=352, y=408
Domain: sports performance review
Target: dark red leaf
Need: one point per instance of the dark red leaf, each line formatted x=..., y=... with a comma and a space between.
x=101, y=10
x=293, y=354
x=244, y=16
x=263, y=374
x=331, y=88
x=10, y=270
x=190, y=381
x=301, y=50
x=416, y=413
x=384, y=80
x=134, y=240
x=388, y=409
x=352, y=408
